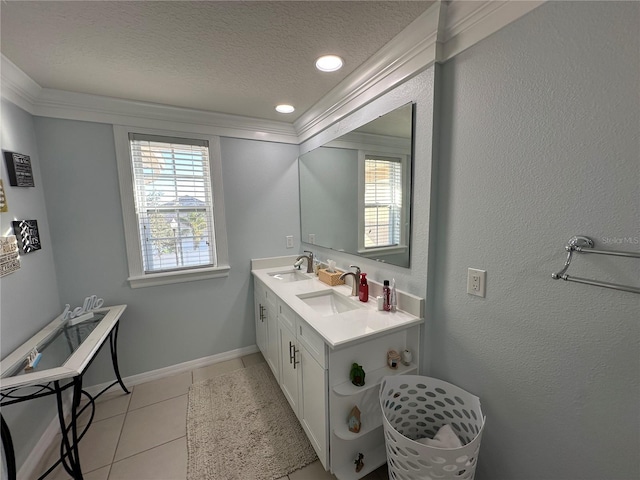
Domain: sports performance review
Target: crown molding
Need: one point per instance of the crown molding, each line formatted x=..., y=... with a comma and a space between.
x=17, y=86
x=94, y=108
x=443, y=31
x=20, y=89
x=468, y=22
x=408, y=53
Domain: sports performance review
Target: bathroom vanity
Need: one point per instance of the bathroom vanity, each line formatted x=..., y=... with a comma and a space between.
x=310, y=335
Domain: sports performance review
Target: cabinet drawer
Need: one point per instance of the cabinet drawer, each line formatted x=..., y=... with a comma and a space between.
x=287, y=315
x=312, y=341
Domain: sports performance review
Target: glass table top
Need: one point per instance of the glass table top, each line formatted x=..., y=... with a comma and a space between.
x=66, y=348
x=57, y=349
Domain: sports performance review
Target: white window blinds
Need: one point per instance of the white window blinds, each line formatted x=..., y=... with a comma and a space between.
x=382, y=201
x=173, y=201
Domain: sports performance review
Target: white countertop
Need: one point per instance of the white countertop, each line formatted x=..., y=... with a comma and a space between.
x=342, y=328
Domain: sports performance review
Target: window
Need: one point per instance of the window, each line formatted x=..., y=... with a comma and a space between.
x=169, y=187
x=383, y=208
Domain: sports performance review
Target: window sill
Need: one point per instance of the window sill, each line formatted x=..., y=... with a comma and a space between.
x=370, y=252
x=167, y=278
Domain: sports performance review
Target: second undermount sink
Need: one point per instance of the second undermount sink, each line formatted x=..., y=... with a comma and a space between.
x=328, y=302
x=289, y=276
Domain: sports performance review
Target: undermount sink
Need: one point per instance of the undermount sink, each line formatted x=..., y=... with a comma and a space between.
x=289, y=276
x=328, y=302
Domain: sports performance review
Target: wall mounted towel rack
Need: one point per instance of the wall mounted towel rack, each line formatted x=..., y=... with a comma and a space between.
x=585, y=245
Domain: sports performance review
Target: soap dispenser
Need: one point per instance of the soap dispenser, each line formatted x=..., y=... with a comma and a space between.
x=363, y=293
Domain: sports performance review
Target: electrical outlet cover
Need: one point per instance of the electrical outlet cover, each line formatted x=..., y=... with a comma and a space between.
x=476, y=282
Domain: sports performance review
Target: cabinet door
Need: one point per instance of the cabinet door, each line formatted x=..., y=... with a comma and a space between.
x=272, y=356
x=289, y=359
x=313, y=403
x=261, y=317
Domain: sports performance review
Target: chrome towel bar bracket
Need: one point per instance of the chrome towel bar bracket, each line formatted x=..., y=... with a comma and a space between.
x=583, y=244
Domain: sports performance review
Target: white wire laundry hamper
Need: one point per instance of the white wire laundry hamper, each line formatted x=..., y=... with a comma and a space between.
x=414, y=407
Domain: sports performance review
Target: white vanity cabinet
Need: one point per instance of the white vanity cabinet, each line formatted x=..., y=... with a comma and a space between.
x=303, y=378
x=311, y=353
x=267, y=325
x=343, y=396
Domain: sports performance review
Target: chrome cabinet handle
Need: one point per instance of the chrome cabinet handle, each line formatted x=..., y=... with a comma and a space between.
x=291, y=353
x=261, y=313
x=295, y=362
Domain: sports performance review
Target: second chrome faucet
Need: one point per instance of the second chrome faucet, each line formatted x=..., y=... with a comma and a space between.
x=356, y=279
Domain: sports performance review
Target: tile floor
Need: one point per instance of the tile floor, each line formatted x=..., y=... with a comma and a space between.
x=142, y=436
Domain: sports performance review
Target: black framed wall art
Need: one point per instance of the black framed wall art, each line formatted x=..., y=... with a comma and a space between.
x=19, y=169
x=26, y=231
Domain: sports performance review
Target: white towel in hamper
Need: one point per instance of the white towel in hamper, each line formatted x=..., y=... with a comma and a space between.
x=445, y=438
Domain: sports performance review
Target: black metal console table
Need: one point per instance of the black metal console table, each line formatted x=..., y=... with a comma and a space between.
x=67, y=349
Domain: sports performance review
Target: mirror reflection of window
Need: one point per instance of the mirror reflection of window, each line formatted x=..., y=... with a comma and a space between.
x=382, y=201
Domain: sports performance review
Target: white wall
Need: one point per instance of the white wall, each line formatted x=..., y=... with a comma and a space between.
x=539, y=142
x=170, y=324
x=29, y=297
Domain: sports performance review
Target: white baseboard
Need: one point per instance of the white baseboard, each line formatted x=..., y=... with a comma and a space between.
x=28, y=468
x=178, y=368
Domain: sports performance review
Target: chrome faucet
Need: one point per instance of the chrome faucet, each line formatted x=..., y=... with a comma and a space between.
x=356, y=279
x=309, y=261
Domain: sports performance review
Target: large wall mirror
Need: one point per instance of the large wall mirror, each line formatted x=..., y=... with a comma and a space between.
x=355, y=191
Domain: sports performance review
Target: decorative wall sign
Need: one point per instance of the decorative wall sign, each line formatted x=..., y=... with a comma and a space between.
x=28, y=236
x=9, y=260
x=19, y=169
x=3, y=199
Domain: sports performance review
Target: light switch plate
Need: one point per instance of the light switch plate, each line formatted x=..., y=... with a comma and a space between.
x=476, y=282
x=289, y=241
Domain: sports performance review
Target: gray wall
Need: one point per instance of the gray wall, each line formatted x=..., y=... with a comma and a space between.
x=539, y=142
x=29, y=297
x=169, y=324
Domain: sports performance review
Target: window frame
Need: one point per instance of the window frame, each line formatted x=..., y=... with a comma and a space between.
x=401, y=247
x=137, y=276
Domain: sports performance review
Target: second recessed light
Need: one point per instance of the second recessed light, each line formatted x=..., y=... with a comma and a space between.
x=329, y=63
x=285, y=108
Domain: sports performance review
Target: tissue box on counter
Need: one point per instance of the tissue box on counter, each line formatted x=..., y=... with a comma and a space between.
x=330, y=278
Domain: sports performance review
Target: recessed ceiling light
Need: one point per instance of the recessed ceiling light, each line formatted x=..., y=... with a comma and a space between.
x=285, y=108
x=329, y=63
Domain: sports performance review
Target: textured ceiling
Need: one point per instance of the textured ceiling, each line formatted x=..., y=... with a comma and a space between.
x=232, y=57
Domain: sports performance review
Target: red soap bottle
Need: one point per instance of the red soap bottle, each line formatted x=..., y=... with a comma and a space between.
x=364, y=288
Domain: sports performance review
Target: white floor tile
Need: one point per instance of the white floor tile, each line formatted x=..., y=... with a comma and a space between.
x=151, y=426
x=100, y=474
x=96, y=449
x=98, y=446
x=159, y=390
x=107, y=406
x=217, y=369
x=166, y=462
